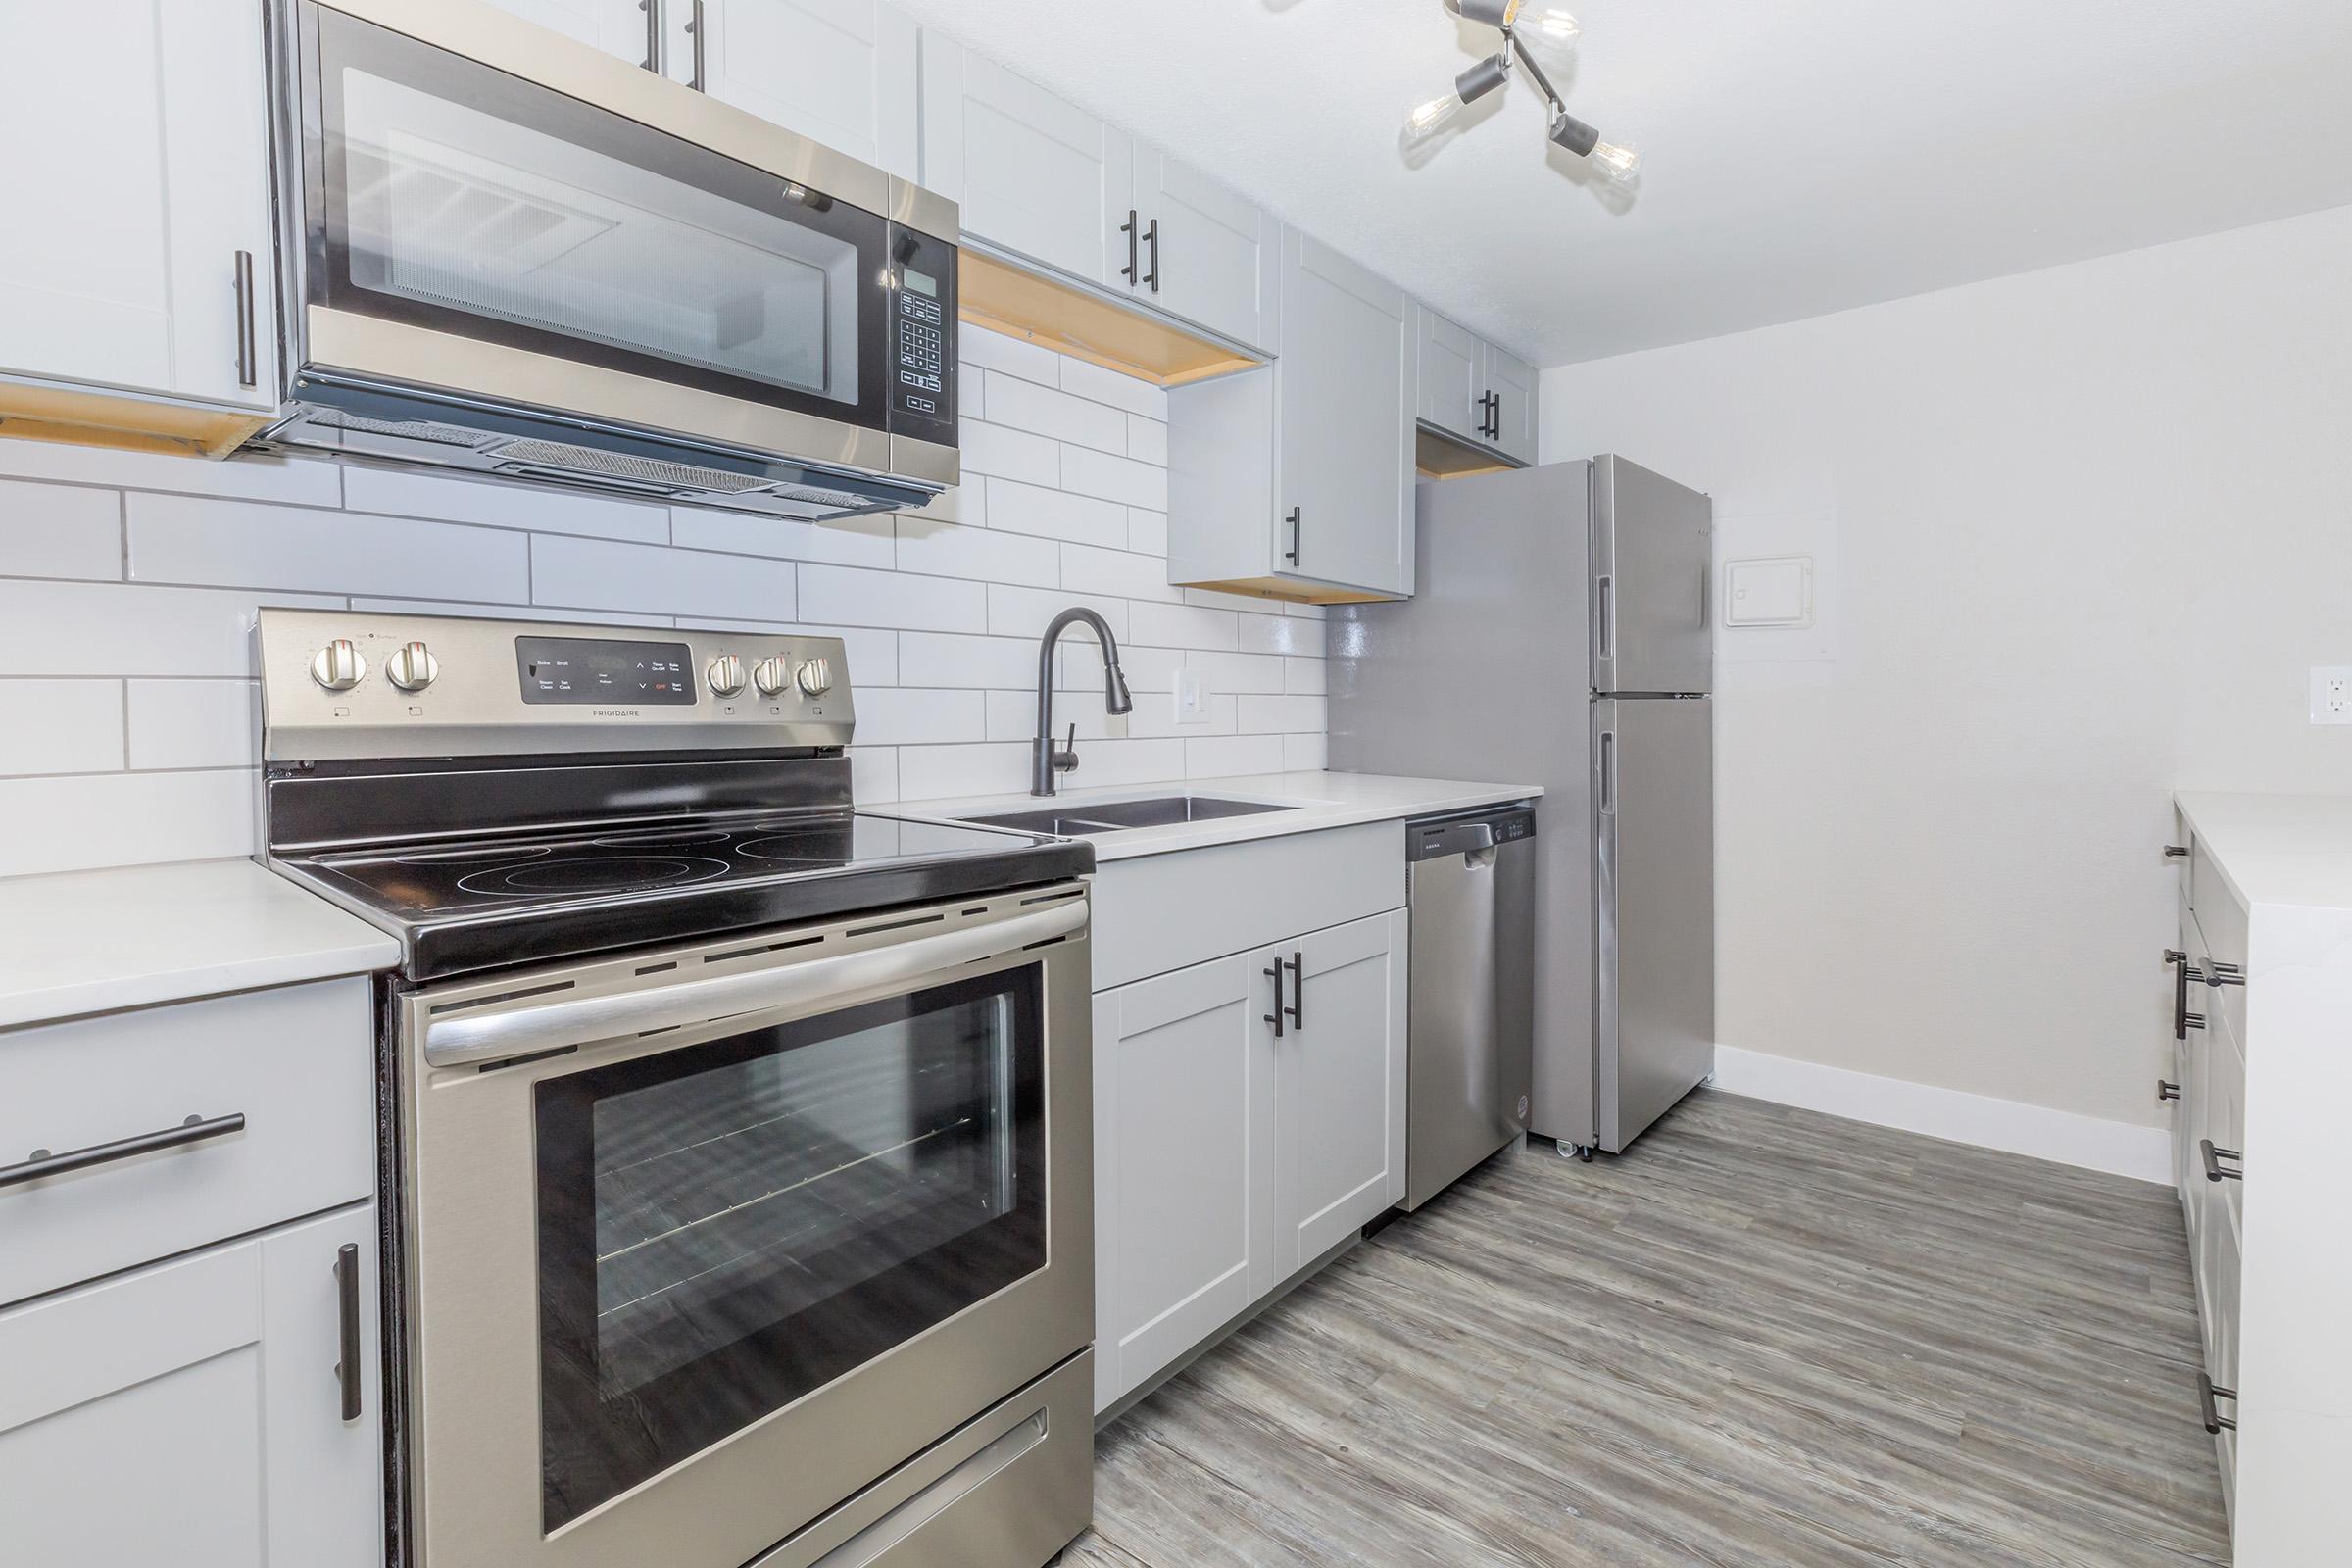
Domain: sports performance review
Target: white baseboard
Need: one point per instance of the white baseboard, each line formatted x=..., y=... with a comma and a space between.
x=2144, y=1154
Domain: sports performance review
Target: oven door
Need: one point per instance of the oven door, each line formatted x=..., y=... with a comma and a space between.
x=700, y=1243
x=495, y=212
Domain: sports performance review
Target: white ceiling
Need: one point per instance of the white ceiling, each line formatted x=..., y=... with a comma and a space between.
x=1800, y=155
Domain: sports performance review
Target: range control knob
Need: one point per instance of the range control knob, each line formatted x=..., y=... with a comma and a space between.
x=771, y=676
x=413, y=668
x=725, y=675
x=816, y=676
x=338, y=666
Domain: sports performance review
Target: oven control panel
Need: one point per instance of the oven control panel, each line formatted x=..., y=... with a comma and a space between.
x=344, y=685
x=922, y=336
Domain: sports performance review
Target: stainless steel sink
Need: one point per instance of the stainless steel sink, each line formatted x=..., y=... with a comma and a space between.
x=1112, y=816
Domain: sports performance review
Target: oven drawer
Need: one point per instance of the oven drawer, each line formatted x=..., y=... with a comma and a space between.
x=297, y=1065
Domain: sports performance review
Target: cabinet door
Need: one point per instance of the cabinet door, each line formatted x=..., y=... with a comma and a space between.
x=1347, y=412
x=163, y=109
x=1215, y=258
x=189, y=1413
x=621, y=27
x=1511, y=382
x=1338, y=1087
x=1036, y=176
x=839, y=72
x=1183, y=1186
x=1450, y=365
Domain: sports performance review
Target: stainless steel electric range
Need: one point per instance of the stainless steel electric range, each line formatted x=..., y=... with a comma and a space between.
x=738, y=1139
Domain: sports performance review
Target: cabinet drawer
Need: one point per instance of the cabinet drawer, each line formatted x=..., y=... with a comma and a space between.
x=297, y=1063
x=1160, y=912
x=2223, y=920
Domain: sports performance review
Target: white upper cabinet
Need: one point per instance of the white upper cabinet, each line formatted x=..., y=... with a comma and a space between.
x=1472, y=390
x=138, y=254
x=843, y=73
x=1036, y=176
x=1511, y=385
x=1346, y=510
x=1201, y=252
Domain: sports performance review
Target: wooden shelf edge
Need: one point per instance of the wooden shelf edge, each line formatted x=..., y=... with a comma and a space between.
x=121, y=421
x=1062, y=316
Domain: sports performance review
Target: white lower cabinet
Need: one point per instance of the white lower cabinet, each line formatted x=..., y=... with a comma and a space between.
x=191, y=1412
x=1227, y=1159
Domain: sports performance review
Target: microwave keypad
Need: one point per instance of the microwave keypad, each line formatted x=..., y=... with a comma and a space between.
x=919, y=346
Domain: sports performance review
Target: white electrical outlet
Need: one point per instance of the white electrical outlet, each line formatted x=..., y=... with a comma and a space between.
x=2331, y=694
x=1192, y=697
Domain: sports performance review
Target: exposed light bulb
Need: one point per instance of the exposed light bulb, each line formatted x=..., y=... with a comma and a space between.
x=1546, y=26
x=1620, y=164
x=1433, y=116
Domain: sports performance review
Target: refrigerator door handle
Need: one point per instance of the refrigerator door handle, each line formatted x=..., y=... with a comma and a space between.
x=1706, y=573
x=1605, y=617
x=1607, y=765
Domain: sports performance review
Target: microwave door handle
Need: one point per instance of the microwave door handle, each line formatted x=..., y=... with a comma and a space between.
x=490, y=1037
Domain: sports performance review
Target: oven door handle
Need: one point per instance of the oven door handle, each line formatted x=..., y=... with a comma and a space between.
x=467, y=1037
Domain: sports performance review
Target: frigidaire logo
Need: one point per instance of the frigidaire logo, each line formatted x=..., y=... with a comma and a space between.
x=612, y=713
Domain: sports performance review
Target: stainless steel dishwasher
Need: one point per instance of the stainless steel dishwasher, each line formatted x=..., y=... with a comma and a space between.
x=1471, y=885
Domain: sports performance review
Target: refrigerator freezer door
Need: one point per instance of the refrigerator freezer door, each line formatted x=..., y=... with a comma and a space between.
x=1652, y=562
x=1653, y=942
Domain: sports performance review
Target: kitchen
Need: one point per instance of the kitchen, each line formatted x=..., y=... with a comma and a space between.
x=823, y=781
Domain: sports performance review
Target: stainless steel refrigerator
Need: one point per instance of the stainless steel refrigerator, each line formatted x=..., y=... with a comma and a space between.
x=1561, y=634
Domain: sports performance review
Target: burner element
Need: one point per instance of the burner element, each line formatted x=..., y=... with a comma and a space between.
x=809, y=847
x=656, y=836
x=592, y=875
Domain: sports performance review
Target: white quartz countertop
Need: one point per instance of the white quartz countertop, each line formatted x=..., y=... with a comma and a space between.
x=2277, y=849
x=80, y=941
x=1317, y=800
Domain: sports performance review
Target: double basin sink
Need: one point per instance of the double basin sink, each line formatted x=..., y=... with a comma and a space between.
x=1114, y=816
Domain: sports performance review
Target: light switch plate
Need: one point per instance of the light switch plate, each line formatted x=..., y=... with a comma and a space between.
x=2331, y=694
x=1192, y=697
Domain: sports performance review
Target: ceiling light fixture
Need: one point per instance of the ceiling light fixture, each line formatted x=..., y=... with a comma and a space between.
x=1526, y=29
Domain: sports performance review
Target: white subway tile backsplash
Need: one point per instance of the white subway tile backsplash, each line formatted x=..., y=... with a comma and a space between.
x=1226, y=755
x=1123, y=479
x=1028, y=611
x=933, y=773
x=307, y=481
x=194, y=723
x=1120, y=572
x=1042, y=410
x=127, y=709
x=1093, y=381
x=1185, y=626
x=850, y=596
x=1306, y=754
x=238, y=544
x=1009, y=453
x=94, y=819
x=77, y=628
x=581, y=574
x=421, y=493
x=1281, y=715
x=840, y=541
x=60, y=726
x=903, y=715
x=1017, y=508
x=987, y=554
x=58, y=530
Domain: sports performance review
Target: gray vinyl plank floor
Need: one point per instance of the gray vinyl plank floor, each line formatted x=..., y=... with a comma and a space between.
x=1761, y=1337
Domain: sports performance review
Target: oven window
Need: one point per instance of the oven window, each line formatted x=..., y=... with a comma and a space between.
x=725, y=1227
x=452, y=196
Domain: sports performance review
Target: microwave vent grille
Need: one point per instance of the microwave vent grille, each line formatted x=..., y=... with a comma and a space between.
x=448, y=435
x=622, y=465
x=822, y=497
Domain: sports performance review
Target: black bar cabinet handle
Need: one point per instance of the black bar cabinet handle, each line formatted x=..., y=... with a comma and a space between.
x=1128, y=229
x=2215, y=1421
x=2166, y=1090
x=1297, y=536
x=195, y=1130
x=1151, y=238
x=249, y=355
x=2176, y=852
x=347, y=1296
x=1275, y=1017
x=1297, y=990
x=2213, y=1161
x=2182, y=973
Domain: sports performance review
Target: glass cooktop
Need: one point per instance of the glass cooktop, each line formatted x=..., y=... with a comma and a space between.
x=459, y=905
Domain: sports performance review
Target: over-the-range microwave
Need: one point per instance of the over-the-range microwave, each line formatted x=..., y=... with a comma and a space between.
x=506, y=251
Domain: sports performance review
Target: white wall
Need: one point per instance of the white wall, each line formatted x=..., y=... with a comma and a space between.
x=127, y=585
x=2083, y=531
